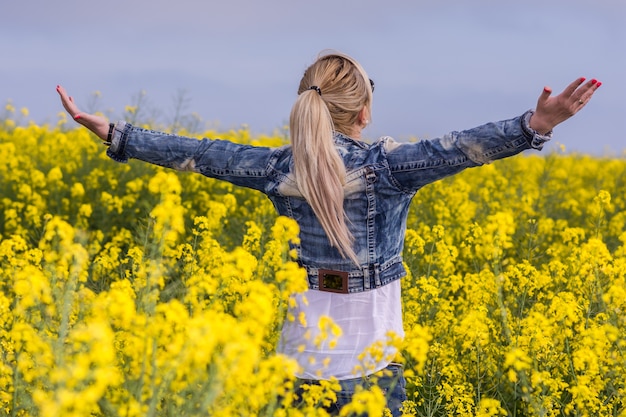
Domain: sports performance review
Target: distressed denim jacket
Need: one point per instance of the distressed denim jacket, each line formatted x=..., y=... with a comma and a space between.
x=382, y=178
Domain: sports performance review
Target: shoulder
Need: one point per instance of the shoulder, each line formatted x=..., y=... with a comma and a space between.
x=387, y=144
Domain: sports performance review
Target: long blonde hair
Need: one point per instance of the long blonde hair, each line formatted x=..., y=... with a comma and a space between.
x=332, y=93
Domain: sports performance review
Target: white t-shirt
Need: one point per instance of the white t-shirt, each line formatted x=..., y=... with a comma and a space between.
x=365, y=318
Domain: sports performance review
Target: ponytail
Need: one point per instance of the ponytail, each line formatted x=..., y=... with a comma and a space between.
x=326, y=103
x=319, y=169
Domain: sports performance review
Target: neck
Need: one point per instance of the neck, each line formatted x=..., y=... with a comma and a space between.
x=355, y=132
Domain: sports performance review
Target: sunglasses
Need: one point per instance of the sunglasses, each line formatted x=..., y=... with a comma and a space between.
x=372, y=84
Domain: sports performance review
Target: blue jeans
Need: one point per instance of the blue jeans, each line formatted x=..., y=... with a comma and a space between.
x=390, y=380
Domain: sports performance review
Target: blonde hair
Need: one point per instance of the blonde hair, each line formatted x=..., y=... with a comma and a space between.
x=332, y=93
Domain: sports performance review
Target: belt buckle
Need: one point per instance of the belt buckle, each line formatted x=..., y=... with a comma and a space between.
x=333, y=281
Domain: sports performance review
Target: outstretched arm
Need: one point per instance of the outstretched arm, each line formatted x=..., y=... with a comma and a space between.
x=414, y=165
x=239, y=164
x=97, y=124
x=554, y=110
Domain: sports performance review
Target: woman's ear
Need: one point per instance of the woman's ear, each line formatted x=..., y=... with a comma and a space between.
x=364, y=116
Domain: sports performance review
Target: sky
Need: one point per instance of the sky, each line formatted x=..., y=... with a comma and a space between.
x=438, y=66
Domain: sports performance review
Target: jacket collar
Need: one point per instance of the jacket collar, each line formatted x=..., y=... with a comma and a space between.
x=345, y=140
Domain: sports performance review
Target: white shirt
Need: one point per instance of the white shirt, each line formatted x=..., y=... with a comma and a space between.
x=364, y=318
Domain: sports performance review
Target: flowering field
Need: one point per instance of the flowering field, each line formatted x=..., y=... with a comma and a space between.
x=130, y=290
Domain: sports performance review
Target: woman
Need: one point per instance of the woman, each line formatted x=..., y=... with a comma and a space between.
x=350, y=200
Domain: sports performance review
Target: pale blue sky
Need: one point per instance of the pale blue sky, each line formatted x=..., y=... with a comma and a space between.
x=438, y=65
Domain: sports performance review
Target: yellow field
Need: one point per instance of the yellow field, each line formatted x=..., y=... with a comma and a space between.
x=130, y=290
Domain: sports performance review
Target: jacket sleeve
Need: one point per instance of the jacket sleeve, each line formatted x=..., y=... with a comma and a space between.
x=243, y=165
x=414, y=165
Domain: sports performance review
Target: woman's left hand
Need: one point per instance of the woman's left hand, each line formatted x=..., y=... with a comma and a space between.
x=551, y=111
x=97, y=124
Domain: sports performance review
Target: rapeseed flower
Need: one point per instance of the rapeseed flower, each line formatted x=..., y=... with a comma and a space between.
x=127, y=289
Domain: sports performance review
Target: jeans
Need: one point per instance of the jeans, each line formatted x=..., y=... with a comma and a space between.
x=390, y=380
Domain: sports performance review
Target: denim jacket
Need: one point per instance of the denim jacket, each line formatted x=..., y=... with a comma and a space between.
x=382, y=178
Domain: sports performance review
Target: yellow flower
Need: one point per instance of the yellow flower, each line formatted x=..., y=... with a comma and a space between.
x=328, y=331
x=85, y=210
x=77, y=190
x=368, y=402
x=55, y=175
x=517, y=359
x=286, y=230
x=490, y=407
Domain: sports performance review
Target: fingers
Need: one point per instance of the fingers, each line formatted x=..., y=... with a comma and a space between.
x=583, y=94
x=96, y=123
x=545, y=94
x=569, y=90
x=68, y=103
x=578, y=94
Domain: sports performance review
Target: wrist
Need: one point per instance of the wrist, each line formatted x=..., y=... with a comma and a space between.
x=539, y=125
x=535, y=139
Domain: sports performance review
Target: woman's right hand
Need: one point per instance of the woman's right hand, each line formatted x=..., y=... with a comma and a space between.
x=97, y=124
